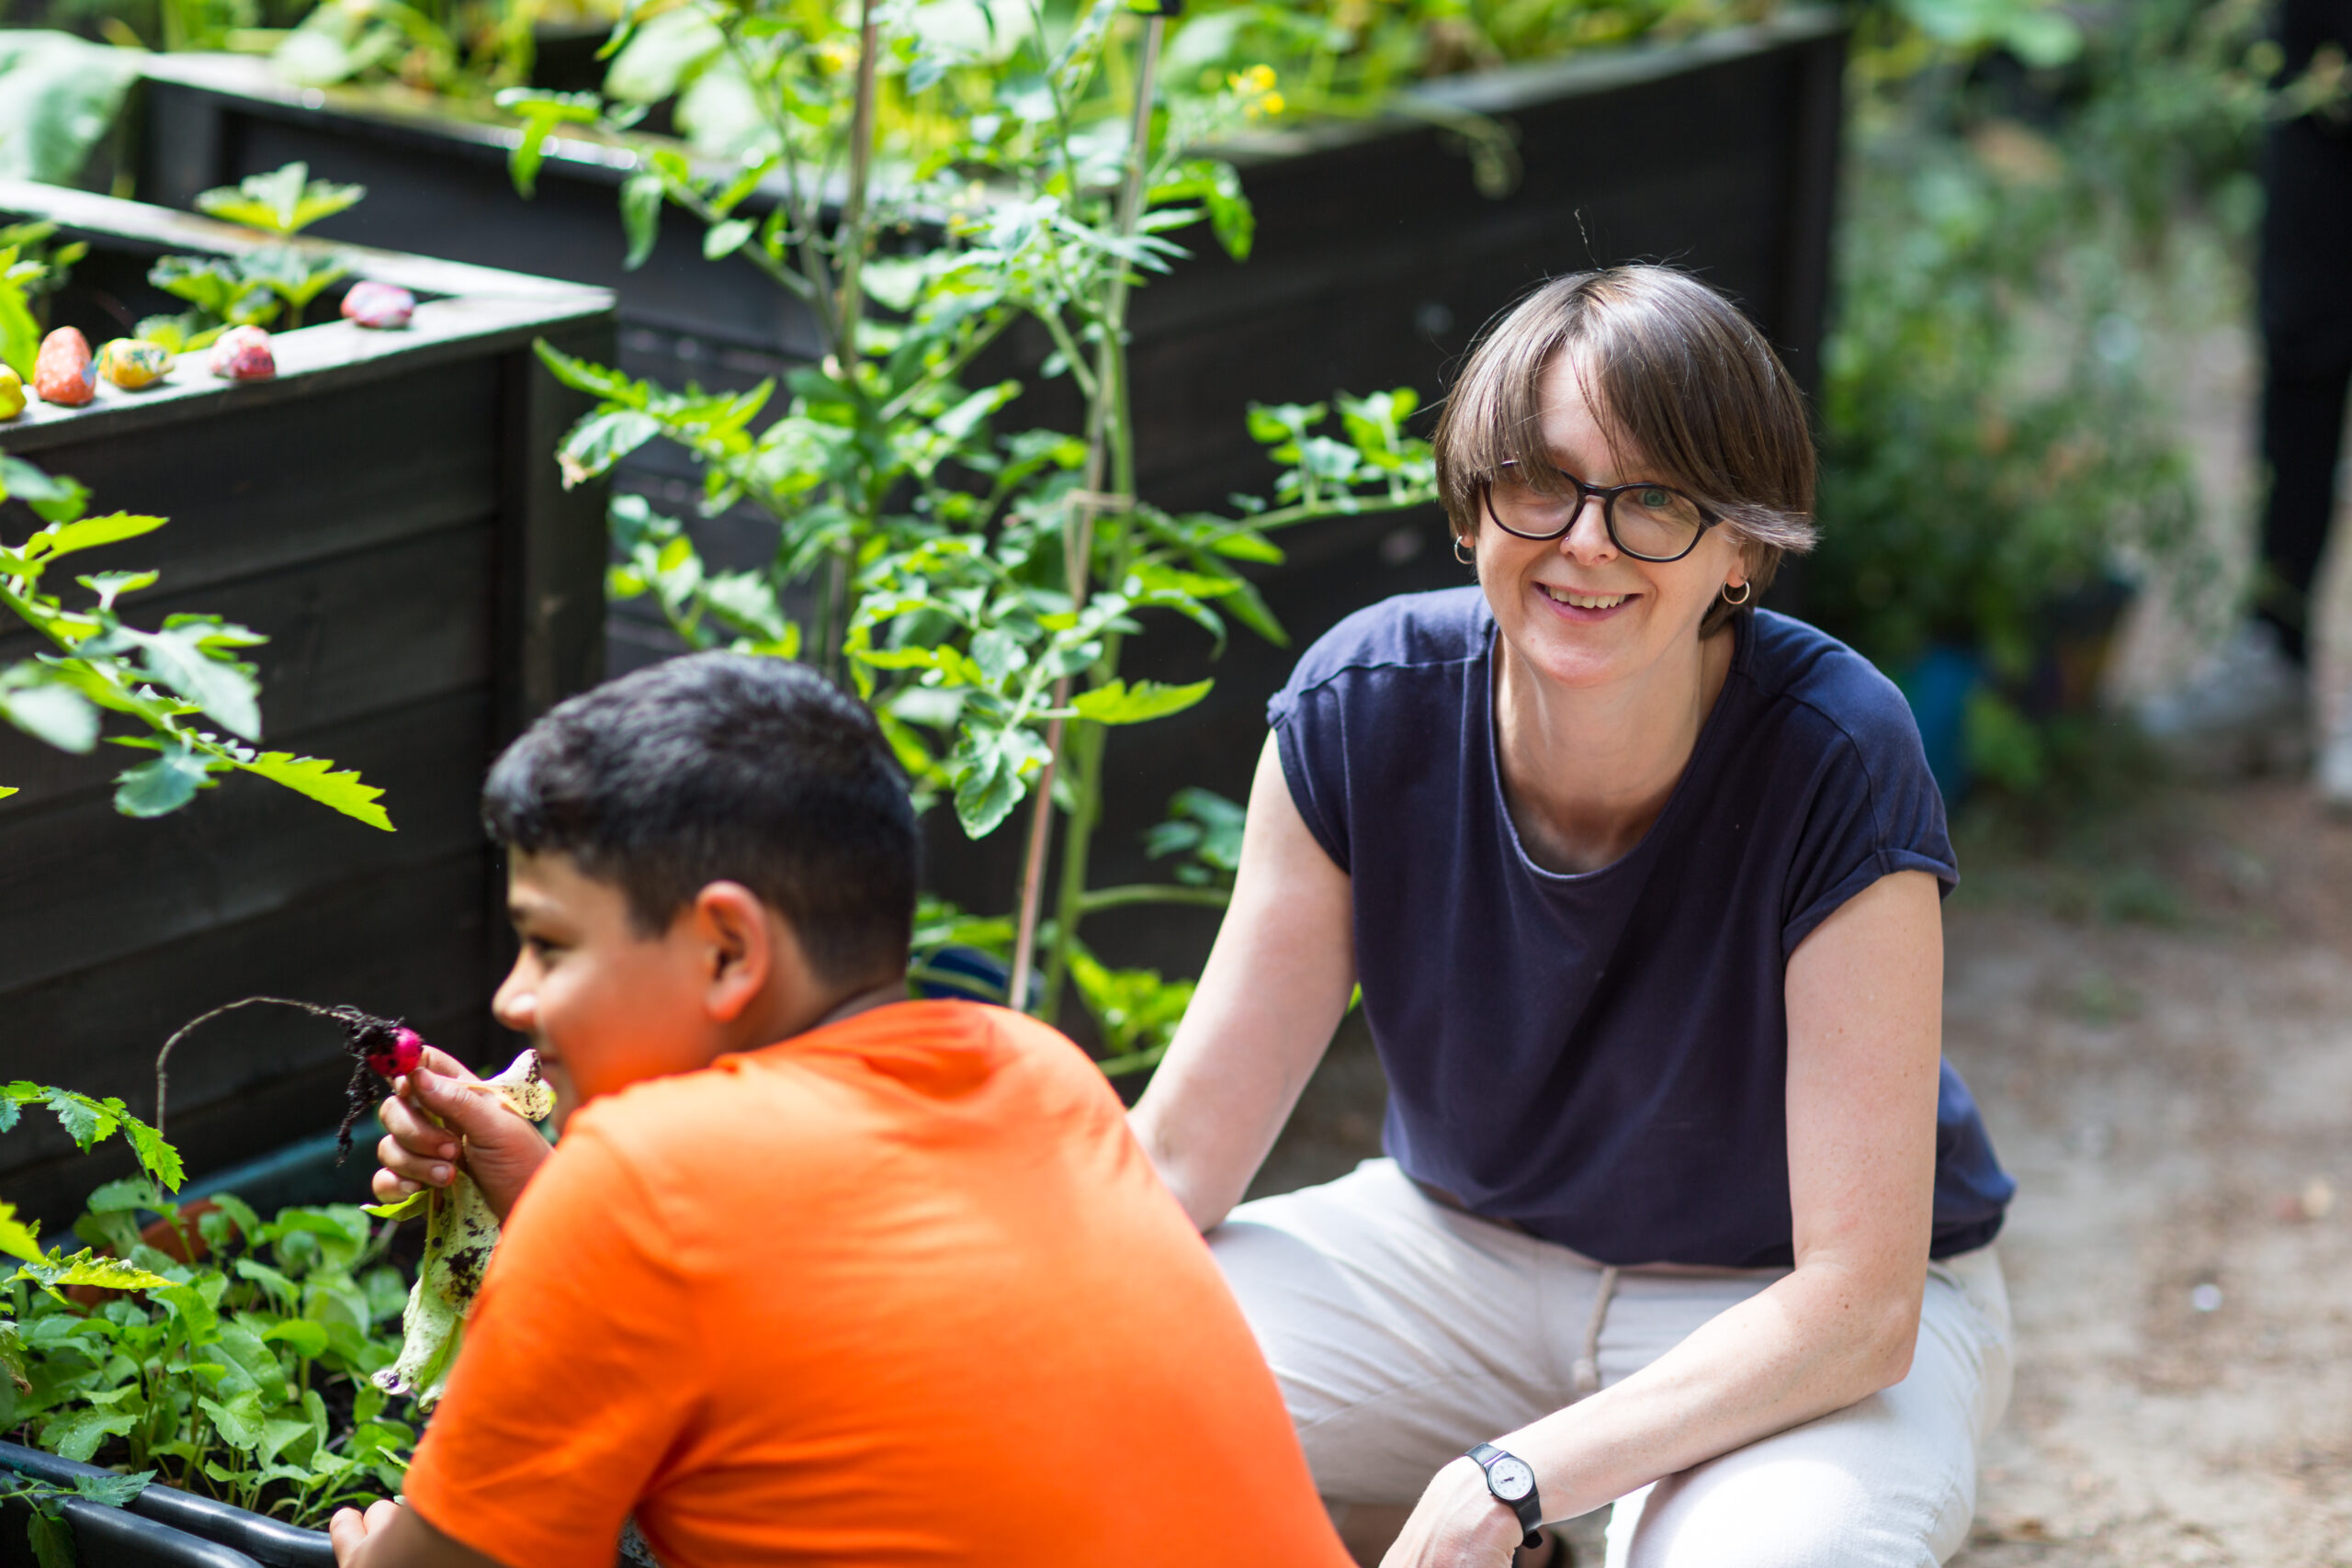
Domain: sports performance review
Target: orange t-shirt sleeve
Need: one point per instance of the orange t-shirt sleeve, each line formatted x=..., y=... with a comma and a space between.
x=582, y=1365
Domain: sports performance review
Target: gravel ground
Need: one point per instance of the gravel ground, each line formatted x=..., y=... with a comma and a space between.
x=2157, y=1012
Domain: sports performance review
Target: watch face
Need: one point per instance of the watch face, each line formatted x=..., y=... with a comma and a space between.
x=1510, y=1478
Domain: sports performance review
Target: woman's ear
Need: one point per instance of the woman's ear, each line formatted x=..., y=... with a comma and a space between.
x=1745, y=567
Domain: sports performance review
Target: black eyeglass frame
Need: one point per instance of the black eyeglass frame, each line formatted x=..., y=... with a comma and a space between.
x=1708, y=517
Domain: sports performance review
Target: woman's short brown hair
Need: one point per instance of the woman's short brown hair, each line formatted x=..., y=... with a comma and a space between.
x=1672, y=368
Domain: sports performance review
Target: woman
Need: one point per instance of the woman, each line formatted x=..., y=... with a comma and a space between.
x=1641, y=887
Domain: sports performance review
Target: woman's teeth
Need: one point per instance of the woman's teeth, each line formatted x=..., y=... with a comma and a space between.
x=1583, y=601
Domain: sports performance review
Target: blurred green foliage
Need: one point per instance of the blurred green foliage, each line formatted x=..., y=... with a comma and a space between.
x=1347, y=56
x=2024, y=224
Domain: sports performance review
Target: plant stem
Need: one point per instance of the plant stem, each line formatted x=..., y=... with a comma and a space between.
x=1109, y=393
x=837, y=597
x=850, y=240
x=1078, y=837
x=1153, y=893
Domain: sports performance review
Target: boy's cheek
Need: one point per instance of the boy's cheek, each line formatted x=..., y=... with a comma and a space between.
x=567, y=1099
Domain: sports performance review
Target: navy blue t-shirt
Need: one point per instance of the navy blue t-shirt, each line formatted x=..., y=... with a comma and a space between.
x=1601, y=1057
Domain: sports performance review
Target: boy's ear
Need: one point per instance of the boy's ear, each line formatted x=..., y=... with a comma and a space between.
x=738, y=951
x=747, y=951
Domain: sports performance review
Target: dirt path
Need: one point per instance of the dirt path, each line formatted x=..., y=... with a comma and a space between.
x=2159, y=1027
x=2177, y=1105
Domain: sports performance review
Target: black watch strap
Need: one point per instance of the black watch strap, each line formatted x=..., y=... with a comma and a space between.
x=1530, y=1507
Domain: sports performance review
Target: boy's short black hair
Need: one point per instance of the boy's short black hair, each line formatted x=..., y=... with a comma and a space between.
x=724, y=767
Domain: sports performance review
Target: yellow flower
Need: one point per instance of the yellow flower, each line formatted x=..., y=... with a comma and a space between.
x=1271, y=103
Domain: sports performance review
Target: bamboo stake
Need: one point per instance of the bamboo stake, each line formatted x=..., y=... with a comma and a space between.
x=1110, y=383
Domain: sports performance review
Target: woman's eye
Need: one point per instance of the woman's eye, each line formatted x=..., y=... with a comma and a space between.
x=1654, y=499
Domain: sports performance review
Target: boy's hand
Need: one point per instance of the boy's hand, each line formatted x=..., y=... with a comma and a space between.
x=500, y=1150
x=389, y=1536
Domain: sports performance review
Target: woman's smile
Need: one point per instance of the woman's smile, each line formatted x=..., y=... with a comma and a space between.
x=1579, y=605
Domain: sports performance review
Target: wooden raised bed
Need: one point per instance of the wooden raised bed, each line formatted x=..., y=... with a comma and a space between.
x=388, y=512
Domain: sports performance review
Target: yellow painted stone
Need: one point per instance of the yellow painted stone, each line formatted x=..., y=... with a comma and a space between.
x=12, y=393
x=132, y=363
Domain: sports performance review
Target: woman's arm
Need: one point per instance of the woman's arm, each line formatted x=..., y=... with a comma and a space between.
x=1277, y=986
x=1865, y=1001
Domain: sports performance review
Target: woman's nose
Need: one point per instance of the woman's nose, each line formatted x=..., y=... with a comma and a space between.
x=1588, y=536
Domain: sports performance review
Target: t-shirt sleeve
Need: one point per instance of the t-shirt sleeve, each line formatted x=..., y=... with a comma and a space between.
x=582, y=1364
x=1310, y=715
x=1874, y=809
x=1309, y=739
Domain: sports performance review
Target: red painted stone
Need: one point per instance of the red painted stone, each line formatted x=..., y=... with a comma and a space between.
x=383, y=306
x=242, y=354
x=64, y=372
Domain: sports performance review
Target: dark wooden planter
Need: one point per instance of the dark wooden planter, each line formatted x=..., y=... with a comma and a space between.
x=388, y=514
x=1376, y=259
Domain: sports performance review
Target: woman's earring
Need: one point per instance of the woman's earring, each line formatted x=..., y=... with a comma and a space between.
x=1747, y=592
x=1470, y=560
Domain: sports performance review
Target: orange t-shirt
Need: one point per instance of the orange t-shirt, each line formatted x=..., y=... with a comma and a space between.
x=902, y=1290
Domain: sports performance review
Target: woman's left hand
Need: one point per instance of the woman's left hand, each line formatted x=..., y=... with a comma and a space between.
x=1458, y=1524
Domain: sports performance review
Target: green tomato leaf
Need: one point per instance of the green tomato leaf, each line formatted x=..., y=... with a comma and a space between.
x=584, y=375
x=1117, y=703
x=52, y=1540
x=725, y=239
x=54, y=715
x=114, y=1491
x=160, y=1160
x=161, y=787
x=316, y=778
x=63, y=539
x=641, y=215
x=986, y=794
x=19, y=1239
x=86, y=1267
x=85, y=1121
x=601, y=440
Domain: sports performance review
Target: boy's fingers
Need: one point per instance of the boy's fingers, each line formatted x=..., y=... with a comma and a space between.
x=408, y=1170
x=467, y=1108
x=346, y=1530
x=421, y=1137
x=436, y=1060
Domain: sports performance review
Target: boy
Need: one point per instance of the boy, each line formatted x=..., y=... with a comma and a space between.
x=816, y=1274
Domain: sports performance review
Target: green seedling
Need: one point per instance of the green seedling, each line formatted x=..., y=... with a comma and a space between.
x=284, y=201
x=187, y=680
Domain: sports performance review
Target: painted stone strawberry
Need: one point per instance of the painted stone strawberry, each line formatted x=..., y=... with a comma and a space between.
x=63, y=372
x=381, y=306
x=243, y=354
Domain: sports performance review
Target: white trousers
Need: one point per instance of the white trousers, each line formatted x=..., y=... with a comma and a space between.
x=1403, y=1331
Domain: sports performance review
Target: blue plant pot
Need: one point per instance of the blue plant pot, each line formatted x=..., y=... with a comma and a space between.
x=1937, y=686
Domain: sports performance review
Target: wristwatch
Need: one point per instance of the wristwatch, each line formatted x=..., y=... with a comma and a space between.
x=1513, y=1484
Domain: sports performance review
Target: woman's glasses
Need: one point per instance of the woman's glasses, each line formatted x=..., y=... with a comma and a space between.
x=1646, y=520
